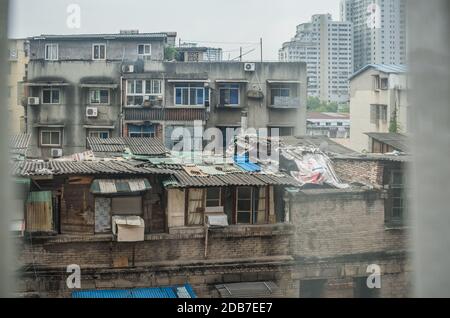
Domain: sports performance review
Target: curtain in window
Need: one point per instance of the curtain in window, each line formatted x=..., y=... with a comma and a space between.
x=261, y=206
x=195, y=207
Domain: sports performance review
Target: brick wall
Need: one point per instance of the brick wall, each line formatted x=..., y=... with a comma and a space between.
x=362, y=171
x=341, y=222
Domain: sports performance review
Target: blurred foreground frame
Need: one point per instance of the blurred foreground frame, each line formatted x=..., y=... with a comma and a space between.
x=429, y=55
x=5, y=247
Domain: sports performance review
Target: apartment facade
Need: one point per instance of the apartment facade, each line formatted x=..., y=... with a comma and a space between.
x=73, y=86
x=379, y=31
x=214, y=94
x=326, y=47
x=18, y=63
x=378, y=103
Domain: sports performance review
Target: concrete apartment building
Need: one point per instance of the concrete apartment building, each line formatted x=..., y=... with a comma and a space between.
x=379, y=31
x=326, y=47
x=271, y=95
x=191, y=52
x=332, y=125
x=73, y=86
x=378, y=103
x=18, y=63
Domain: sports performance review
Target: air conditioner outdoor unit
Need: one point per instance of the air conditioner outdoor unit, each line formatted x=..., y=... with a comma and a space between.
x=33, y=100
x=56, y=153
x=249, y=67
x=91, y=112
x=128, y=68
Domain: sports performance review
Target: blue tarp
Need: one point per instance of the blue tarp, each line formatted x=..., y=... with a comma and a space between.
x=244, y=163
x=184, y=291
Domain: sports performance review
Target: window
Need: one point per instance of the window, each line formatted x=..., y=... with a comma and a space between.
x=312, y=288
x=99, y=134
x=50, y=96
x=190, y=94
x=278, y=94
x=213, y=197
x=126, y=205
x=396, y=205
x=384, y=83
x=144, y=49
x=250, y=205
x=141, y=131
x=378, y=113
x=229, y=94
x=99, y=96
x=51, y=52
x=139, y=91
x=196, y=208
x=50, y=138
x=99, y=52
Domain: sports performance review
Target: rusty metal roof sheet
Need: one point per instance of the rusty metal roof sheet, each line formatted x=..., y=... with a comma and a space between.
x=54, y=167
x=118, y=145
x=182, y=179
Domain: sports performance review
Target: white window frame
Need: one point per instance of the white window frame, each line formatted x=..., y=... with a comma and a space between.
x=188, y=87
x=52, y=58
x=99, y=101
x=210, y=200
x=145, y=45
x=51, y=89
x=144, y=89
x=93, y=50
x=50, y=131
x=98, y=132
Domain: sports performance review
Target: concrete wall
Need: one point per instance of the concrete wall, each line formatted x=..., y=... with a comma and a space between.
x=17, y=68
x=259, y=115
x=362, y=95
x=71, y=112
x=82, y=49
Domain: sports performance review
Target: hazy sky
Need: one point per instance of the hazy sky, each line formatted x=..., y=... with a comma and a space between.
x=208, y=21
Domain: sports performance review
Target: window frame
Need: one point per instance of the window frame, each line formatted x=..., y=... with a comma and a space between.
x=144, y=44
x=93, y=51
x=144, y=93
x=190, y=88
x=225, y=87
x=98, y=132
x=99, y=96
x=219, y=199
x=141, y=134
x=57, y=52
x=280, y=88
x=51, y=89
x=50, y=131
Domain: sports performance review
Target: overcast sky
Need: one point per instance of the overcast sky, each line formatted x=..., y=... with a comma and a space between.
x=208, y=21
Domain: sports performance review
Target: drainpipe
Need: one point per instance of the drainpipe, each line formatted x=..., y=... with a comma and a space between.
x=121, y=107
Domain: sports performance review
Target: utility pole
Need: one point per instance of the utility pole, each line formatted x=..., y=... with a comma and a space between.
x=240, y=53
x=261, y=47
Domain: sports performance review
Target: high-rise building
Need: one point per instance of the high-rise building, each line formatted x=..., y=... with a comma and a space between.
x=326, y=47
x=379, y=31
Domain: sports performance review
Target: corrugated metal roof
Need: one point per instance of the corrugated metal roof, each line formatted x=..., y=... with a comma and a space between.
x=18, y=144
x=118, y=145
x=55, y=167
x=106, y=186
x=185, y=291
x=385, y=68
x=182, y=179
x=249, y=290
x=109, y=36
x=396, y=140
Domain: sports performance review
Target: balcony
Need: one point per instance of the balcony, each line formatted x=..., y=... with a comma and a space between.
x=285, y=102
x=164, y=114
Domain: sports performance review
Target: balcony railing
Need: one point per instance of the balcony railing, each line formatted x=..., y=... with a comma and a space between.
x=161, y=114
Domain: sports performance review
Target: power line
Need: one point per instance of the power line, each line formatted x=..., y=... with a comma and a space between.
x=217, y=42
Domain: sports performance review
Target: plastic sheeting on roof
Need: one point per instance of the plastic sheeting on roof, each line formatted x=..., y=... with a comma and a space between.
x=110, y=186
